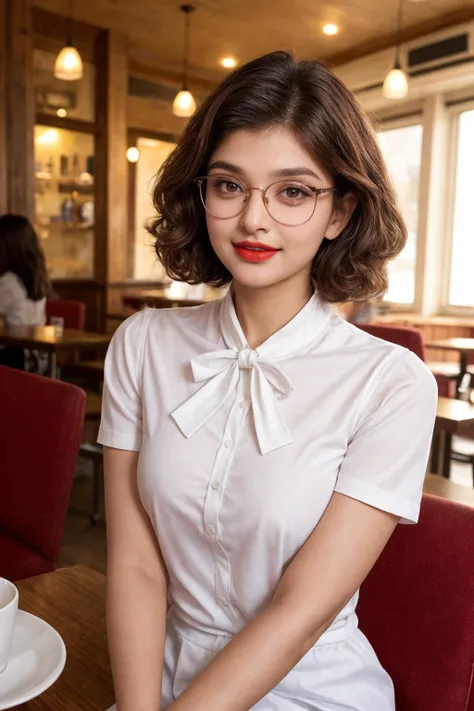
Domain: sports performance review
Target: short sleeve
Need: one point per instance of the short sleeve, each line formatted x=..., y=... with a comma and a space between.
x=386, y=460
x=121, y=421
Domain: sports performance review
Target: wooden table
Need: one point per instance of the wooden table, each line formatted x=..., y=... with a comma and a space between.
x=452, y=417
x=72, y=600
x=163, y=298
x=157, y=300
x=44, y=338
x=439, y=486
x=464, y=346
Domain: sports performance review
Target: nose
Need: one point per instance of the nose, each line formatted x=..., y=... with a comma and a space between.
x=255, y=217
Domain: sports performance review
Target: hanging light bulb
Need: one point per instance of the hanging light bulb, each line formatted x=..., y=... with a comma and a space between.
x=395, y=85
x=133, y=154
x=184, y=104
x=68, y=65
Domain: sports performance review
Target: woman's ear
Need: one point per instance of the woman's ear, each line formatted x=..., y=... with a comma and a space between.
x=342, y=213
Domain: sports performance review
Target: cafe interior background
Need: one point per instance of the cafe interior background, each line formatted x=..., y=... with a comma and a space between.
x=83, y=135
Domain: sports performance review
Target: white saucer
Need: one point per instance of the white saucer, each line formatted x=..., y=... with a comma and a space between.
x=37, y=657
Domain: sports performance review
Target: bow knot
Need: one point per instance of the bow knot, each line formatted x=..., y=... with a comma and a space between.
x=247, y=358
x=222, y=370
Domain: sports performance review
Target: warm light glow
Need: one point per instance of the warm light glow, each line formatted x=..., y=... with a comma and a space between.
x=228, y=62
x=62, y=113
x=330, y=29
x=395, y=85
x=49, y=137
x=68, y=64
x=184, y=104
x=176, y=289
x=133, y=154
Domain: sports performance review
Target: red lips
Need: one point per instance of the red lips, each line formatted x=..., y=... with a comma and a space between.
x=255, y=251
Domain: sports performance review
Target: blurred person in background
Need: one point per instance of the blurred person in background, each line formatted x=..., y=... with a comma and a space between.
x=24, y=284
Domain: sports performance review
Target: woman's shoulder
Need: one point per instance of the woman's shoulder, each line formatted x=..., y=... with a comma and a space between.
x=11, y=282
x=386, y=360
x=157, y=325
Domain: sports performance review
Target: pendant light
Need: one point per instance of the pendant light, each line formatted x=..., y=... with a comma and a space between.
x=184, y=104
x=395, y=85
x=68, y=65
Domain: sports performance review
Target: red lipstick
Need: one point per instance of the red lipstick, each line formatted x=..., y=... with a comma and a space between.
x=255, y=251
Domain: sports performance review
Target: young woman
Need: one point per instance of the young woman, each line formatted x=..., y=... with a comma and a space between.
x=24, y=282
x=260, y=451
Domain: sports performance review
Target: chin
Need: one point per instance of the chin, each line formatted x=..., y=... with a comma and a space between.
x=256, y=276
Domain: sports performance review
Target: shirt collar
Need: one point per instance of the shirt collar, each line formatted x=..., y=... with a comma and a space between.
x=298, y=333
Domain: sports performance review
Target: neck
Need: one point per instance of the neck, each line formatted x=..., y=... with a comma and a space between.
x=262, y=312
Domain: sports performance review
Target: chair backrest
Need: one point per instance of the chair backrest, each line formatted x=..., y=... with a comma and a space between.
x=408, y=338
x=417, y=609
x=73, y=312
x=41, y=422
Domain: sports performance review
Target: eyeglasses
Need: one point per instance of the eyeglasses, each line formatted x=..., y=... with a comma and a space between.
x=289, y=202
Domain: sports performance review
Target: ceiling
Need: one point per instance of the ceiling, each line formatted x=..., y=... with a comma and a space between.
x=248, y=28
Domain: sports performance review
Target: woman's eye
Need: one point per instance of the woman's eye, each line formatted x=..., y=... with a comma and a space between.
x=294, y=192
x=227, y=186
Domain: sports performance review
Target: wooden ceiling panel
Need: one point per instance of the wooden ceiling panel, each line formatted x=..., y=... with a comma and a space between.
x=248, y=28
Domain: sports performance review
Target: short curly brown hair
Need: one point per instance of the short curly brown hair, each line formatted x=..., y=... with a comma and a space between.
x=277, y=90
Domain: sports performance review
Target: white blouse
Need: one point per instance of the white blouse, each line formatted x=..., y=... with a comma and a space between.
x=15, y=305
x=240, y=453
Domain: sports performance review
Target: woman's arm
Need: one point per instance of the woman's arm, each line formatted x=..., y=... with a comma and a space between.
x=319, y=582
x=136, y=589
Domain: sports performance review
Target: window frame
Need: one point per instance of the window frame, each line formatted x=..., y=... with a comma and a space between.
x=133, y=136
x=412, y=118
x=454, y=112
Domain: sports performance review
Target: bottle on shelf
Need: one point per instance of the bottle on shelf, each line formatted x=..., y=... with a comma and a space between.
x=76, y=171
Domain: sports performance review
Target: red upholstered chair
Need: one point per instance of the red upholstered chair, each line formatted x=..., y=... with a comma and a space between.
x=73, y=313
x=41, y=423
x=417, y=609
x=408, y=338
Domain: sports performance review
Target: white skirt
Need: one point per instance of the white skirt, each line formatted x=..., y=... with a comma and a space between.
x=341, y=675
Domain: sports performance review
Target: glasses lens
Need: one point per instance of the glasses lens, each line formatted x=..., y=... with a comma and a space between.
x=222, y=196
x=291, y=202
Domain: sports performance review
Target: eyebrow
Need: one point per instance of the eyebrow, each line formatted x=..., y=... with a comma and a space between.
x=280, y=173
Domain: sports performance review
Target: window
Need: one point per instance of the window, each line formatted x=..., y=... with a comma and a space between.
x=64, y=201
x=153, y=153
x=401, y=148
x=461, y=287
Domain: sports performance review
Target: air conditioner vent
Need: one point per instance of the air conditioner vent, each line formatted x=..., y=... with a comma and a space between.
x=443, y=49
x=150, y=89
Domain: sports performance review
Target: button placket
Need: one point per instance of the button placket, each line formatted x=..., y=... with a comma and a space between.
x=216, y=488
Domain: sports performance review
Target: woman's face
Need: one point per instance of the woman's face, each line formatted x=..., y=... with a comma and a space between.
x=257, y=249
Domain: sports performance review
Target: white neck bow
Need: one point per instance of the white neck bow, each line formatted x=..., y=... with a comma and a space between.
x=220, y=371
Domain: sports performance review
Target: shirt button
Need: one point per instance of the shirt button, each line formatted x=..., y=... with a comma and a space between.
x=223, y=602
x=215, y=485
x=211, y=530
x=228, y=443
x=243, y=404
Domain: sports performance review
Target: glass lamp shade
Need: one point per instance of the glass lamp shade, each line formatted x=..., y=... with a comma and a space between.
x=395, y=85
x=68, y=65
x=184, y=104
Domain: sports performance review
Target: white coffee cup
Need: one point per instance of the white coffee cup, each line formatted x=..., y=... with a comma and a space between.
x=8, y=611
